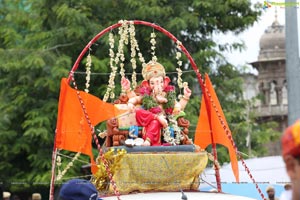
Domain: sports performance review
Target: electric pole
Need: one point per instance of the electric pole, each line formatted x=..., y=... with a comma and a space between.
x=292, y=60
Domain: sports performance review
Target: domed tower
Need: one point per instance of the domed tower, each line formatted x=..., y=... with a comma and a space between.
x=271, y=77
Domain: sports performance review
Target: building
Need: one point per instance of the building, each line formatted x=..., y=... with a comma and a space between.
x=270, y=82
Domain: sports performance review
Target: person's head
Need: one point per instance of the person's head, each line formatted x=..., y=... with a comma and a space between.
x=290, y=142
x=288, y=186
x=270, y=191
x=36, y=196
x=6, y=195
x=78, y=189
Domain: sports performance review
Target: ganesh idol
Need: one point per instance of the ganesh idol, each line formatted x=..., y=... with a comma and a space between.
x=158, y=102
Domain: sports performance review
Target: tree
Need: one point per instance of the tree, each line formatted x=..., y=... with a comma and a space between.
x=40, y=41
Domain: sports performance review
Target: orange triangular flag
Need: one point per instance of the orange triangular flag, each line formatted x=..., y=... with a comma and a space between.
x=207, y=124
x=73, y=131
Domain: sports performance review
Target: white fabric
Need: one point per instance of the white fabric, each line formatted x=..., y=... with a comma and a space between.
x=286, y=195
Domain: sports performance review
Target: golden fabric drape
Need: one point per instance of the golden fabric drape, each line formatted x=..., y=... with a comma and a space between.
x=159, y=171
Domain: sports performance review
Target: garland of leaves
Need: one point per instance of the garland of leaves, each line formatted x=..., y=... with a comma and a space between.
x=171, y=97
x=149, y=102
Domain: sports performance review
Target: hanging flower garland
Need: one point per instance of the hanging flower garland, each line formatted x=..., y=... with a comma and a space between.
x=111, y=81
x=69, y=165
x=134, y=46
x=179, y=63
x=179, y=71
x=123, y=32
x=135, y=50
x=153, y=47
x=116, y=59
x=88, y=72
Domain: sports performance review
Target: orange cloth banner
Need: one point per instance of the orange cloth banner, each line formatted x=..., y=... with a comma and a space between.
x=73, y=132
x=203, y=136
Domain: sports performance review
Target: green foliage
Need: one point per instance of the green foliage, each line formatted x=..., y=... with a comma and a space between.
x=41, y=39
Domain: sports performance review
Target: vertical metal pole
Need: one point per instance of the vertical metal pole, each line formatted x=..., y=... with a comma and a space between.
x=292, y=60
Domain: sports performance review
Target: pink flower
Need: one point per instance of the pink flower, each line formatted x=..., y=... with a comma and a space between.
x=145, y=91
x=169, y=111
x=155, y=110
x=169, y=88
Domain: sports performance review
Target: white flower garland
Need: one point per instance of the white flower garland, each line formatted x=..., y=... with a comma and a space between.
x=69, y=165
x=179, y=63
x=167, y=133
x=123, y=32
x=119, y=58
x=111, y=81
x=153, y=43
x=88, y=72
x=134, y=46
x=167, y=136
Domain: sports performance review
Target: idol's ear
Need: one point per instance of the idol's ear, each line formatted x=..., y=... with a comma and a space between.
x=145, y=83
x=166, y=81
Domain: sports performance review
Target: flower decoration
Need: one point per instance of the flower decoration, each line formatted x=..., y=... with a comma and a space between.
x=111, y=81
x=155, y=110
x=126, y=33
x=169, y=88
x=88, y=72
x=123, y=32
x=171, y=97
x=69, y=165
x=153, y=43
x=169, y=111
x=144, y=91
x=134, y=45
x=179, y=63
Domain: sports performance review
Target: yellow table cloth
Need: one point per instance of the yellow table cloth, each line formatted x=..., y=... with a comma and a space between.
x=170, y=171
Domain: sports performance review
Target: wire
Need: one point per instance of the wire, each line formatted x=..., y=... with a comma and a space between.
x=105, y=74
x=70, y=157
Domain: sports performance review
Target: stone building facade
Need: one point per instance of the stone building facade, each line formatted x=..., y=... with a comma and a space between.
x=270, y=82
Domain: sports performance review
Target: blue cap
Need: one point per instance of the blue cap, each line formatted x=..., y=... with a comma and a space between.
x=78, y=189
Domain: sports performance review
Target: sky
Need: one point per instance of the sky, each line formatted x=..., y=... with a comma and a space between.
x=252, y=35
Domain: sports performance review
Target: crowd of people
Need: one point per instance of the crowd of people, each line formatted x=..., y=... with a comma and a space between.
x=8, y=196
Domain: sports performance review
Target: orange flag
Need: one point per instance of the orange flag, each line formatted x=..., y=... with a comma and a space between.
x=203, y=136
x=73, y=132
